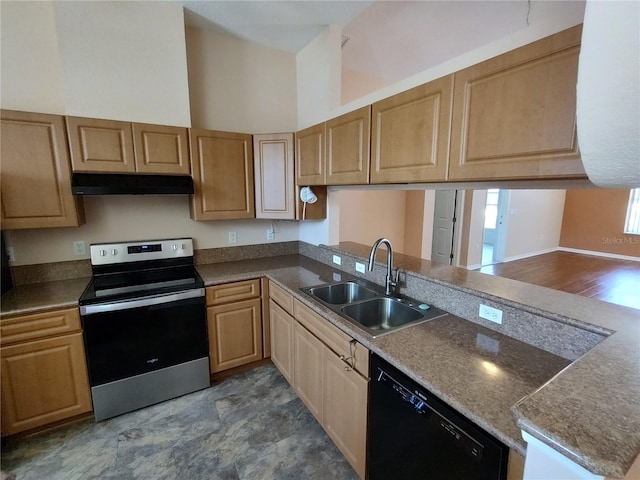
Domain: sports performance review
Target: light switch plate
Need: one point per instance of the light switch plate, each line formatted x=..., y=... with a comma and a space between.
x=337, y=260
x=360, y=267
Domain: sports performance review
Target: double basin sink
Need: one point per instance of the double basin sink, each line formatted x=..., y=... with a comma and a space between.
x=368, y=308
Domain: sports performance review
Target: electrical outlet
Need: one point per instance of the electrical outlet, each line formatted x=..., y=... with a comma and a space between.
x=11, y=254
x=270, y=234
x=79, y=248
x=337, y=260
x=491, y=314
x=233, y=237
x=359, y=267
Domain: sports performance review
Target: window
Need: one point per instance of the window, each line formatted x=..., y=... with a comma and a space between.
x=632, y=222
x=491, y=208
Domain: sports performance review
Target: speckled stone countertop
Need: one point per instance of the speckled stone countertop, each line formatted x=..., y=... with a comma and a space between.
x=589, y=411
x=42, y=296
x=479, y=372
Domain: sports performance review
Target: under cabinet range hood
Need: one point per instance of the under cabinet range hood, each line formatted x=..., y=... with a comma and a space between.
x=130, y=184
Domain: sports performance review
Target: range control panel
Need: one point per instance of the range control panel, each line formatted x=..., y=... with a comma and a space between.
x=109, y=253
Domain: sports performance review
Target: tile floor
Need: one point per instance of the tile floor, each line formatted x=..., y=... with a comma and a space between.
x=250, y=426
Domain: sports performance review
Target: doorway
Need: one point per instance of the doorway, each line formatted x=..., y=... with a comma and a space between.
x=444, y=221
x=495, y=226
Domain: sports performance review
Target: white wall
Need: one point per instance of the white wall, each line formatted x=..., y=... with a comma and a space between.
x=427, y=223
x=534, y=222
x=318, y=67
x=357, y=84
x=476, y=230
x=124, y=61
x=239, y=86
x=123, y=217
x=31, y=77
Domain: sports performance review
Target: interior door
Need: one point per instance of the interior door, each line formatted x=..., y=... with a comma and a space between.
x=444, y=226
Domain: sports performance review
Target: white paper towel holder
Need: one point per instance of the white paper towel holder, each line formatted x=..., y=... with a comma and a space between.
x=307, y=196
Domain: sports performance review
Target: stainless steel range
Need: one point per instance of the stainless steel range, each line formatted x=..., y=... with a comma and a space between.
x=145, y=327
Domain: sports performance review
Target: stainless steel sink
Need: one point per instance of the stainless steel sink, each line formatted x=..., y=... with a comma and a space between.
x=382, y=313
x=341, y=293
x=365, y=305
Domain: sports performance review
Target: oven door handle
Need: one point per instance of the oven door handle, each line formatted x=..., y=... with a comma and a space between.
x=140, y=302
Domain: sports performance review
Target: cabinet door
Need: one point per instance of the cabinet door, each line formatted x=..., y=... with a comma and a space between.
x=235, y=334
x=514, y=115
x=35, y=173
x=161, y=149
x=100, y=145
x=347, y=149
x=410, y=134
x=275, y=181
x=345, y=410
x=222, y=168
x=307, y=369
x=310, y=156
x=281, y=340
x=42, y=382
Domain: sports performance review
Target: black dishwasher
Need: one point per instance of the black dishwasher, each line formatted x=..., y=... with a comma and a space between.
x=414, y=435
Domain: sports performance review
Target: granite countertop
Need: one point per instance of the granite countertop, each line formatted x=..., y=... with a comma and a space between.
x=589, y=411
x=479, y=372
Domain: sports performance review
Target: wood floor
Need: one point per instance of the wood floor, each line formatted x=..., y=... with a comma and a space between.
x=607, y=279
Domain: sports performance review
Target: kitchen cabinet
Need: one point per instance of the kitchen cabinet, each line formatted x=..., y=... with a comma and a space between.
x=281, y=326
x=44, y=373
x=310, y=159
x=110, y=146
x=222, y=168
x=410, y=134
x=328, y=370
x=161, y=149
x=514, y=116
x=347, y=148
x=274, y=177
x=36, y=173
x=345, y=409
x=308, y=359
x=99, y=145
x=234, y=316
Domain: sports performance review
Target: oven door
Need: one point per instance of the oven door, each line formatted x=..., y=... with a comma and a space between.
x=136, y=336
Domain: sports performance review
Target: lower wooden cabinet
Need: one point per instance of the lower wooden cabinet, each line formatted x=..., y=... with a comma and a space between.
x=234, y=316
x=327, y=369
x=44, y=380
x=345, y=409
x=281, y=339
x=308, y=353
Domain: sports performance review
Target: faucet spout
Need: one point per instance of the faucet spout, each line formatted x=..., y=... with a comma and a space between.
x=390, y=282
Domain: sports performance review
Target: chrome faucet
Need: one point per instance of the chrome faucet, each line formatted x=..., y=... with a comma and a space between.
x=390, y=282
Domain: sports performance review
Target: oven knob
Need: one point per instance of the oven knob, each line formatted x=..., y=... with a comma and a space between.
x=174, y=247
x=103, y=253
x=114, y=251
x=183, y=246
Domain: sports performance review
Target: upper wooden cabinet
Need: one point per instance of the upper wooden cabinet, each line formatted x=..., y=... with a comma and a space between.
x=310, y=161
x=410, y=134
x=274, y=177
x=121, y=147
x=100, y=145
x=514, y=115
x=347, y=148
x=161, y=149
x=35, y=173
x=222, y=168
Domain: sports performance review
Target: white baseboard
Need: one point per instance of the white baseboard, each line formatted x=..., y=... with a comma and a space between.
x=477, y=266
x=530, y=254
x=599, y=254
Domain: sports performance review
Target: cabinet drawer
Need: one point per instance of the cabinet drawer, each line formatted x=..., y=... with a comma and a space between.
x=334, y=338
x=233, y=292
x=38, y=325
x=281, y=297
